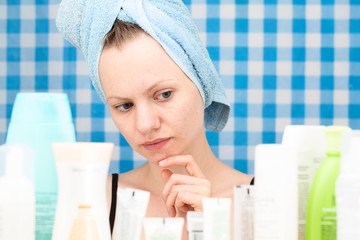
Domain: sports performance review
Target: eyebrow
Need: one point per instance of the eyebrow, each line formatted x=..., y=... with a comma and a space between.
x=145, y=90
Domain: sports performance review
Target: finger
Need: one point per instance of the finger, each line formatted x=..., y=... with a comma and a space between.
x=183, y=160
x=166, y=174
x=199, y=191
x=184, y=197
x=179, y=179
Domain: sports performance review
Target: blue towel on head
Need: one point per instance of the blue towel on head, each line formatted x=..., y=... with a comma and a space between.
x=85, y=23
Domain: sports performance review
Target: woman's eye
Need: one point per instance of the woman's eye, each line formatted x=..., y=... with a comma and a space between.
x=124, y=107
x=164, y=95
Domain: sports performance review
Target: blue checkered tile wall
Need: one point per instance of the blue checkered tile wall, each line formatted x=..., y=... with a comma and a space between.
x=282, y=62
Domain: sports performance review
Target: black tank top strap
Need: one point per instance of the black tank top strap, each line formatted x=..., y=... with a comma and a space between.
x=252, y=181
x=115, y=177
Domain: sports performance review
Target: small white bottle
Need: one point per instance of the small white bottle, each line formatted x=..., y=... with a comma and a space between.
x=347, y=190
x=276, y=198
x=17, y=193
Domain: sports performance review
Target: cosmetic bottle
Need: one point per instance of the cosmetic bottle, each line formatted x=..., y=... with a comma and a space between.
x=244, y=212
x=321, y=209
x=84, y=225
x=347, y=189
x=37, y=120
x=308, y=143
x=276, y=196
x=17, y=194
x=82, y=172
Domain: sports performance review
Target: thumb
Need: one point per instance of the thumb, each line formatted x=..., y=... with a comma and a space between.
x=166, y=174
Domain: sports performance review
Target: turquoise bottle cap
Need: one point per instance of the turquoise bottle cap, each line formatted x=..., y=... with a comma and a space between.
x=333, y=138
x=40, y=108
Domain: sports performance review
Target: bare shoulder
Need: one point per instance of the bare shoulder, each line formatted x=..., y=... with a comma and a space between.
x=228, y=178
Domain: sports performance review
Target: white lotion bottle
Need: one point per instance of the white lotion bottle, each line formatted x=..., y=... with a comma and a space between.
x=276, y=198
x=347, y=189
x=17, y=193
x=308, y=143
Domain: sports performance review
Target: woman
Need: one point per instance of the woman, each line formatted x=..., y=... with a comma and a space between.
x=158, y=106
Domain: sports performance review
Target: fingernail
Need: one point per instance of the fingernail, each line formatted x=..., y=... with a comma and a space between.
x=162, y=162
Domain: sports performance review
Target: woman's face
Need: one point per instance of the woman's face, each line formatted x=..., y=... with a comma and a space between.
x=156, y=107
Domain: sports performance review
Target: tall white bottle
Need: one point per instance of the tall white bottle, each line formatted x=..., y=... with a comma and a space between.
x=308, y=143
x=347, y=190
x=276, y=198
x=17, y=193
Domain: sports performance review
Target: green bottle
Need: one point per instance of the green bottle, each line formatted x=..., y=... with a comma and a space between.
x=321, y=210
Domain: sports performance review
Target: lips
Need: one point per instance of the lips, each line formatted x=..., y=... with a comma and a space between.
x=156, y=144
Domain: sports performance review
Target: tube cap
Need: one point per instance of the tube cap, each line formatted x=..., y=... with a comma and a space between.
x=333, y=139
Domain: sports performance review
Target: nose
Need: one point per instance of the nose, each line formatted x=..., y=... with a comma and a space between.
x=147, y=118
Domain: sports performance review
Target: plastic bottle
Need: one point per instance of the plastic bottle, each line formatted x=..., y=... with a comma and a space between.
x=82, y=171
x=37, y=120
x=276, y=199
x=17, y=194
x=348, y=187
x=84, y=225
x=321, y=210
x=308, y=143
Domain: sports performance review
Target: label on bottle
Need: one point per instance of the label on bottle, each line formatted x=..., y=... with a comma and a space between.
x=45, y=214
x=328, y=224
x=267, y=219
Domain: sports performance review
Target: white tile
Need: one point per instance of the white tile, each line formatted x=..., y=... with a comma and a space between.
x=227, y=68
x=27, y=11
x=284, y=11
x=27, y=68
x=284, y=40
x=283, y=96
x=313, y=40
x=341, y=40
x=341, y=97
x=312, y=96
x=55, y=68
x=283, y=68
x=313, y=11
x=226, y=152
x=28, y=40
x=341, y=12
x=312, y=68
x=255, y=11
x=341, y=69
x=83, y=96
x=83, y=124
x=227, y=11
x=256, y=39
x=255, y=68
x=255, y=96
x=110, y=126
x=254, y=124
x=227, y=39
x=198, y=11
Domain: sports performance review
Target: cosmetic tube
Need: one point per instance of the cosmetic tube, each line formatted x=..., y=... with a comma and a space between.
x=131, y=205
x=276, y=196
x=244, y=212
x=195, y=225
x=163, y=228
x=217, y=218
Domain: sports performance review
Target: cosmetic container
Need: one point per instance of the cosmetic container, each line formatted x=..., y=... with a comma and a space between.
x=347, y=188
x=244, y=212
x=217, y=218
x=82, y=172
x=276, y=196
x=321, y=209
x=38, y=120
x=308, y=143
x=195, y=225
x=131, y=205
x=17, y=194
x=163, y=228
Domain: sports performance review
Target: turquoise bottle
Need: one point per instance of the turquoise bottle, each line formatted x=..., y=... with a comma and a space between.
x=321, y=210
x=38, y=120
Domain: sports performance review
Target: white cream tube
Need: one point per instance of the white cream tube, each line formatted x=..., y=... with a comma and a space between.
x=217, y=218
x=195, y=225
x=244, y=212
x=131, y=205
x=163, y=228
